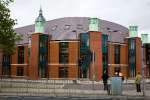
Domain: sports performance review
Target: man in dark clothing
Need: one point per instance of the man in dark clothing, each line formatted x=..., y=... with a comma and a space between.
x=105, y=78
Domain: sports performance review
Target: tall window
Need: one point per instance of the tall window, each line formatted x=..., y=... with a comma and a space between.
x=105, y=52
x=20, y=55
x=63, y=52
x=43, y=47
x=132, y=57
x=6, y=65
x=148, y=57
x=117, y=54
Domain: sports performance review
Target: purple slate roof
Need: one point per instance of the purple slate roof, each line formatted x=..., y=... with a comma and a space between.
x=70, y=27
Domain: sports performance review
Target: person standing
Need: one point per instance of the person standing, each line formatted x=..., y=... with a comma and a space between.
x=105, y=79
x=138, y=79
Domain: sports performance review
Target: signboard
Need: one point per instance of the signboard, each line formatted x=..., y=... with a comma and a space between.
x=93, y=25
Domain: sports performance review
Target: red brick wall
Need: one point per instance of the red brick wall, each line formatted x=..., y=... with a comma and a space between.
x=73, y=59
x=126, y=42
x=96, y=46
x=14, y=61
x=123, y=60
x=72, y=71
x=34, y=56
x=53, y=59
x=111, y=59
x=26, y=60
x=138, y=55
x=15, y=64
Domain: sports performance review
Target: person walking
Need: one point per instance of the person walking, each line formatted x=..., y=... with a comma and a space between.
x=138, y=79
x=105, y=78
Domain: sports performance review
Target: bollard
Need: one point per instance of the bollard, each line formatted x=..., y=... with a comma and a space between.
x=116, y=85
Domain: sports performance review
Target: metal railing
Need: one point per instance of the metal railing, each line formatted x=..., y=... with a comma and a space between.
x=59, y=87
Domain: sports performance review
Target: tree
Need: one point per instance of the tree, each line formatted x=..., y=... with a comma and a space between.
x=8, y=37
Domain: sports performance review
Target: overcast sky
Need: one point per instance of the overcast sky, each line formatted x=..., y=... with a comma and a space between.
x=124, y=12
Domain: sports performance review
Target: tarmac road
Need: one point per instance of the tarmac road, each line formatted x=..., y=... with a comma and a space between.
x=71, y=98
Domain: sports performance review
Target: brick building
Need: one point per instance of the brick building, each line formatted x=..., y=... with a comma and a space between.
x=75, y=47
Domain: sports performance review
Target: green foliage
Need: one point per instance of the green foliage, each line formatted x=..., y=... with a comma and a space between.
x=8, y=37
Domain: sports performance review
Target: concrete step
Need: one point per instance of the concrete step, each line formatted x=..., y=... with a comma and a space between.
x=30, y=85
x=50, y=91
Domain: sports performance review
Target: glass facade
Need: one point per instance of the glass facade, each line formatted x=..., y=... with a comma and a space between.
x=6, y=65
x=85, y=54
x=28, y=55
x=63, y=52
x=132, y=57
x=43, y=52
x=147, y=46
x=117, y=54
x=105, y=52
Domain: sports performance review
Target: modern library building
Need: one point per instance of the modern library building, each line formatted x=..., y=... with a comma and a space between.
x=76, y=47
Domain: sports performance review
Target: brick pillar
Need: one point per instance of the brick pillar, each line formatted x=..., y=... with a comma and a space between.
x=96, y=46
x=138, y=55
x=14, y=63
x=53, y=59
x=73, y=59
x=123, y=60
x=111, y=50
x=34, y=56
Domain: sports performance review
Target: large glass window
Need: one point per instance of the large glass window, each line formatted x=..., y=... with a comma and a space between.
x=20, y=55
x=63, y=52
x=6, y=65
x=105, y=52
x=117, y=54
x=43, y=48
x=148, y=58
x=132, y=57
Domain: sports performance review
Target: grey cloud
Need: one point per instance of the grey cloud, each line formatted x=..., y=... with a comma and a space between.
x=124, y=12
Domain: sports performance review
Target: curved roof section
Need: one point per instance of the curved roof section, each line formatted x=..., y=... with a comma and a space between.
x=71, y=27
